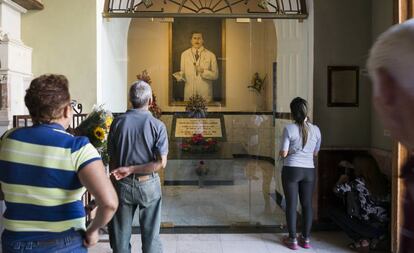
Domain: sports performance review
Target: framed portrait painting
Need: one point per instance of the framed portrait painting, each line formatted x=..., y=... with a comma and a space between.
x=197, y=60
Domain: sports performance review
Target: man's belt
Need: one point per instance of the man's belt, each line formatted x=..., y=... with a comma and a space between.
x=141, y=178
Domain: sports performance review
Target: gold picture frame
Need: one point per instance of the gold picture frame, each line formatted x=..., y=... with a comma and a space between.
x=343, y=86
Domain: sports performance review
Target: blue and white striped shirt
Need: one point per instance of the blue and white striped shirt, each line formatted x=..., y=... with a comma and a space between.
x=39, y=168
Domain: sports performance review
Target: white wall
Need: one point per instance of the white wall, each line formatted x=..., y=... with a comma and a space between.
x=63, y=38
x=294, y=62
x=382, y=19
x=348, y=43
x=250, y=47
x=148, y=49
x=342, y=37
x=114, y=60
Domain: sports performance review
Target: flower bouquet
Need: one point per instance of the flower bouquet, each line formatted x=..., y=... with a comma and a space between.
x=199, y=144
x=153, y=107
x=257, y=83
x=96, y=127
x=196, y=106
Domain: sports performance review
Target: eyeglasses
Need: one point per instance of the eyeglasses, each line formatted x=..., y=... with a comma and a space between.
x=77, y=107
x=73, y=103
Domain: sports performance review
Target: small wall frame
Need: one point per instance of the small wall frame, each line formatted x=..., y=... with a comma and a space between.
x=343, y=86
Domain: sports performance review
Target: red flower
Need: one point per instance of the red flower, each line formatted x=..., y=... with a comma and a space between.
x=197, y=139
x=199, y=143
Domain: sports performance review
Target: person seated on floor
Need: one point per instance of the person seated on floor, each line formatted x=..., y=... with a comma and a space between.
x=363, y=191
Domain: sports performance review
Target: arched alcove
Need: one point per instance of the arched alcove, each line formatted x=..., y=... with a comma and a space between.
x=249, y=47
x=294, y=72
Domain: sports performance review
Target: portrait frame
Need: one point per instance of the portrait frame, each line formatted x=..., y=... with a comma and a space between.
x=214, y=36
x=343, y=86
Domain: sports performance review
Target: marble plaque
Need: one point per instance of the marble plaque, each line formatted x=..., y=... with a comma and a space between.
x=208, y=127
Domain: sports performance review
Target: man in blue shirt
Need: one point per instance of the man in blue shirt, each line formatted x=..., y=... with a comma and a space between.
x=138, y=148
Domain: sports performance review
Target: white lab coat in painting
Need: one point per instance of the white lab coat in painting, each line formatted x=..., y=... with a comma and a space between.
x=198, y=83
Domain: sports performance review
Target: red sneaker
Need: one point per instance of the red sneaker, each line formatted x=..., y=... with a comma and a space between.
x=304, y=242
x=291, y=243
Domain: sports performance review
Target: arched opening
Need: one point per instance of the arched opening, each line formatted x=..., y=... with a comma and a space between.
x=246, y=185
x=249, y=189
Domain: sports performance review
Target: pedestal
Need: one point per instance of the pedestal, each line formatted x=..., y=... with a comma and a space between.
x=15, y=67
x=182, y=166
x=260, y=101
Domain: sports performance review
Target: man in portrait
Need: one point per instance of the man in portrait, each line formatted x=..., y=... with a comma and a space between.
x=198, y=69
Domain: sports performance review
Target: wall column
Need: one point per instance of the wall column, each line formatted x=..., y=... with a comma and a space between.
x=15, y=68
x=15, y=64
x=294, y=73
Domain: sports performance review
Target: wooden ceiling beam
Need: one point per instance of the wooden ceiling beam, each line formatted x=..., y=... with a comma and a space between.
x=30, y=4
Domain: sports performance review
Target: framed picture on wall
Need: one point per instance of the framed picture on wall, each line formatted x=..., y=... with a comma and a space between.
x=343, y=86
x=196, y=60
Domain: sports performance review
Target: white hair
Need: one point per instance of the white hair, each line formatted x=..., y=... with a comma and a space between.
x=394, y=52
x=140, y=93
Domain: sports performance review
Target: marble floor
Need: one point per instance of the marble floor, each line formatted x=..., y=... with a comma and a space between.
x=323, y=242
x=247, y=201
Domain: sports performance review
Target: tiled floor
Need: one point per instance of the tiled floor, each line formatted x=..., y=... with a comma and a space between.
x=246, y=201
x=323, y=242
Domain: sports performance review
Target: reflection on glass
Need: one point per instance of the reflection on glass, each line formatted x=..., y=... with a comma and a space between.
x=234, y=184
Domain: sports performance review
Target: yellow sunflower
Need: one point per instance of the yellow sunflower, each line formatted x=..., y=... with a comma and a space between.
x=108, y=122
x=99, y=133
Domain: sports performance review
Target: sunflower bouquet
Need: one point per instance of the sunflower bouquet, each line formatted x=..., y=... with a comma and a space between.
x=96, y=127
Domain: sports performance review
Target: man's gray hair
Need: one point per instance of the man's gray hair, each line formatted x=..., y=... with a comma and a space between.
x=394, y=52
x=139, y=94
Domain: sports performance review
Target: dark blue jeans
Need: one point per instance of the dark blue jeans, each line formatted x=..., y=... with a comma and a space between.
x=69, y=242
x=146, y=197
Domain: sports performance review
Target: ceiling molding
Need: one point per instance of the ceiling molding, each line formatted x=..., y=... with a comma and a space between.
x=30, y=4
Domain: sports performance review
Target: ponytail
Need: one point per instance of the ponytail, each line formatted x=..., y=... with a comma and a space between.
x=304, y=131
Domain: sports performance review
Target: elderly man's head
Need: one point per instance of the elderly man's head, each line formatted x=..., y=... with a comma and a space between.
x=391, y=67
x=140, y=94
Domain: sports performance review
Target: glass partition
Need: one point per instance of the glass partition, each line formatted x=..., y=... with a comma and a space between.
x=213, y=81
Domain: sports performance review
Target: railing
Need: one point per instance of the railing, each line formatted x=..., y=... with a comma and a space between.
x=22, y=121
x=26, y=120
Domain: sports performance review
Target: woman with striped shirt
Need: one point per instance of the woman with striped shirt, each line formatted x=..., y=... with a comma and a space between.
x=43, y=175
